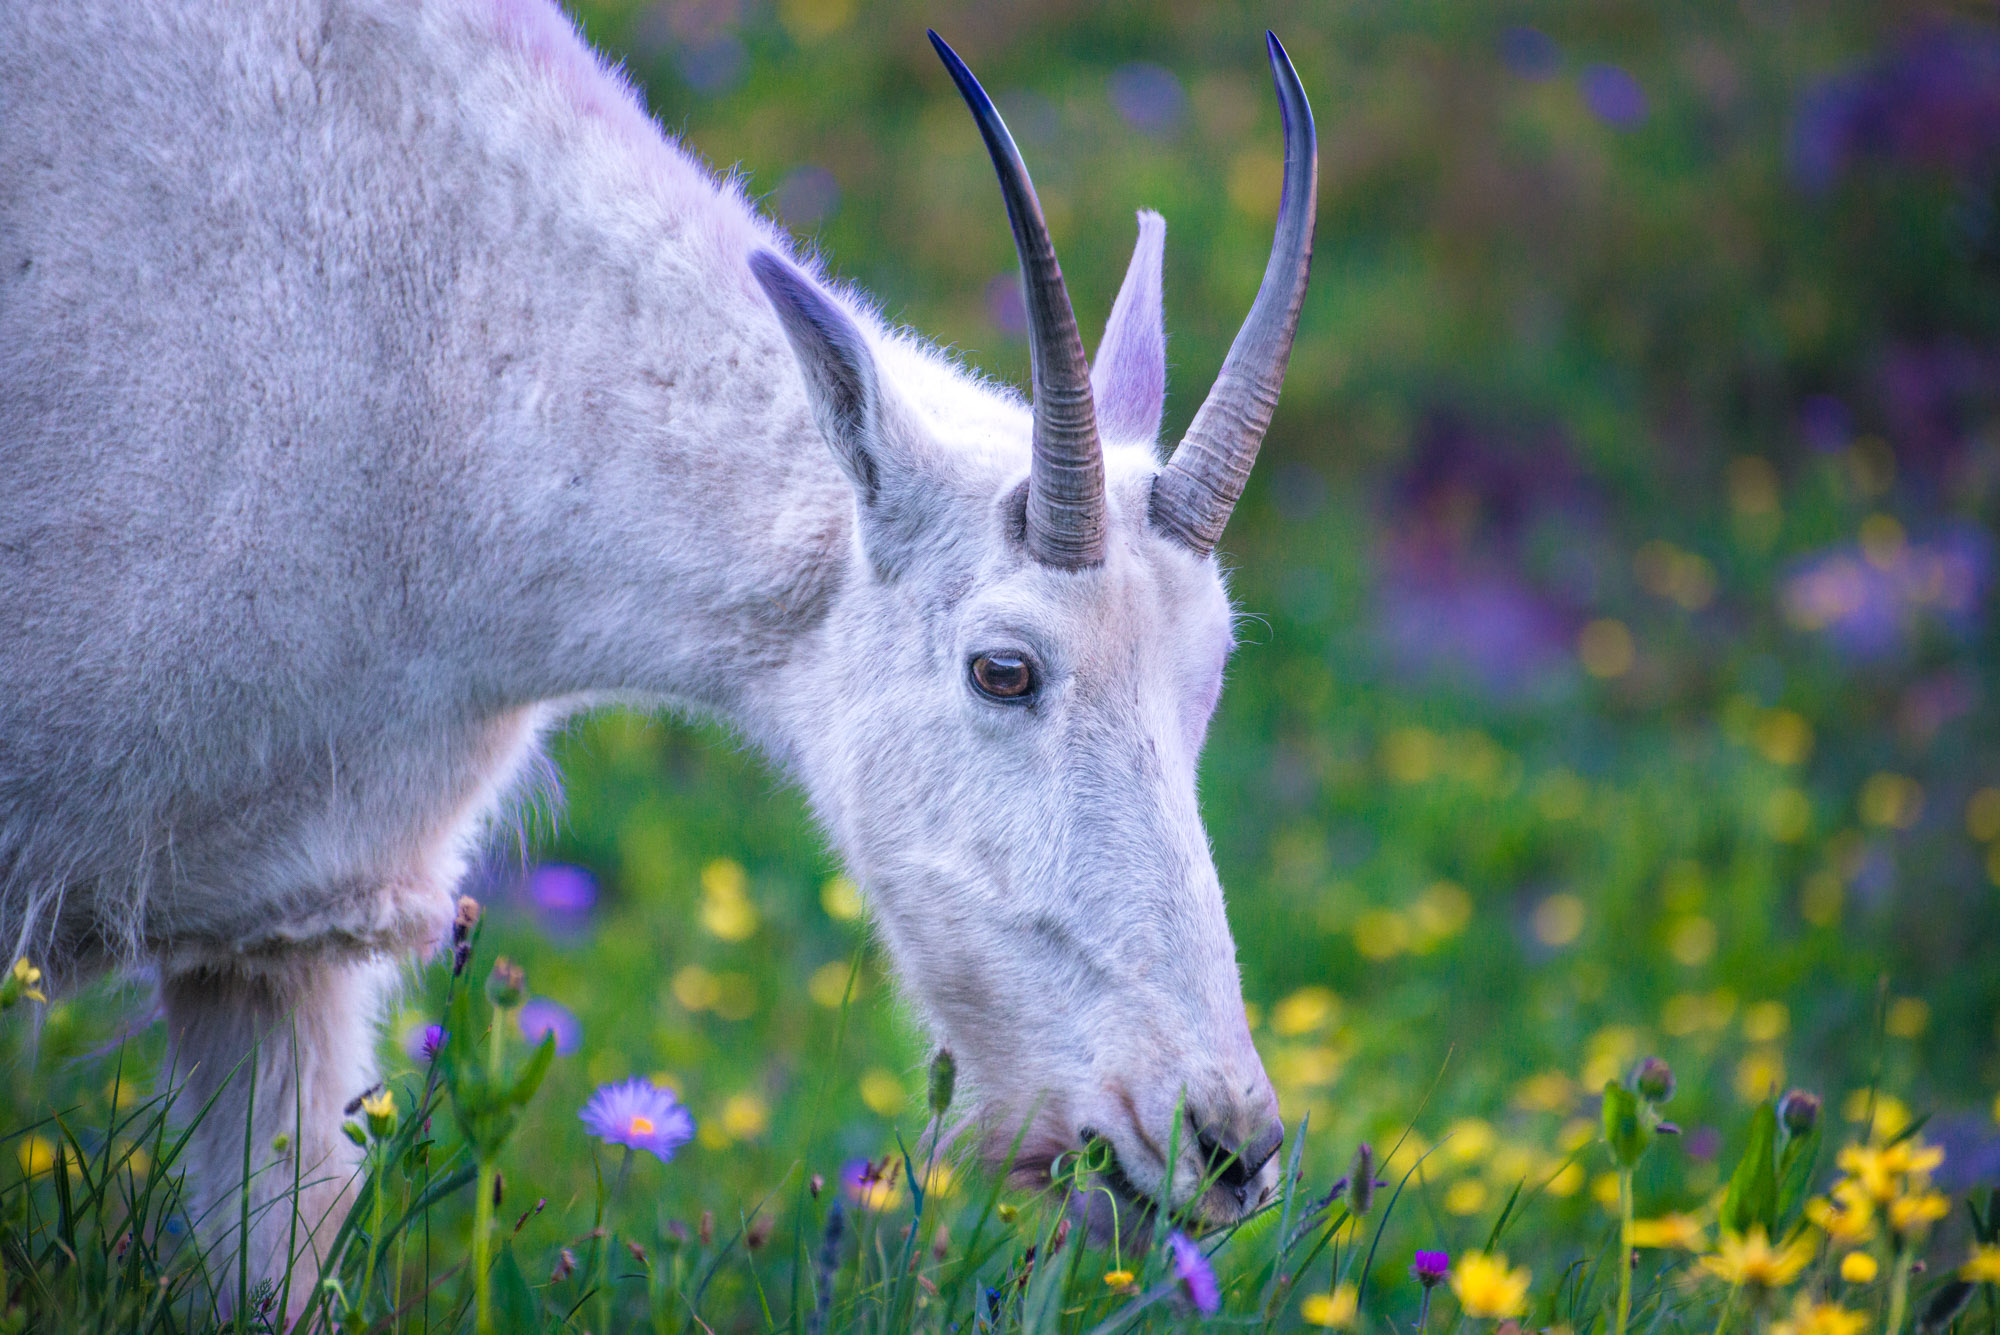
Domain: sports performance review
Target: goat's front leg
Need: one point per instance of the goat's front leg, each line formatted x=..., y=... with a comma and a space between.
x=301, y=1032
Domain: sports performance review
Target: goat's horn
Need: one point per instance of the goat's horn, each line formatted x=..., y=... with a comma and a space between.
x=1065, y=517
x=1193, y=495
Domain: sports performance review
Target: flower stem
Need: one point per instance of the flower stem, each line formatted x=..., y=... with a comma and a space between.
x=375, y=1185
x=1899, y=1290
x=1624, y=1249
x=1728, y=1309
x=482, y=1208
x=604, y=1241
x=402, y=1242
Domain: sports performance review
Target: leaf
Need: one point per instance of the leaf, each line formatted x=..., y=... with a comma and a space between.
x=1042, y=1304
x=1753, y=1188
x=532, y=1071
x=1506, y=1213
x=1795, y=1172
x=511, y=1295
x=1945, y=1305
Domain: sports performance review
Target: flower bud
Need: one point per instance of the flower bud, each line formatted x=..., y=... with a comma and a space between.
x=353, y=1131
x=944, y=1076
x=565, y=1266
x=1654, y=1080
x=1624, y=1130
x=506, y=986
x=817, y=1184
x=466, y=919
x=1799, y=1112
x=1361, y=1180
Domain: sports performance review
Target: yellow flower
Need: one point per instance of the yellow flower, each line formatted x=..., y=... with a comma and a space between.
x=1331, y=1309
x=1915, y=1214
x=1486, y=1287
x=1849, y=1217
x=380, y=1110
x=1884, y=1172
x=1811, y=1318
x=1117, y=1279
x=38, y=1155
x=1749, y=1258
x=1983, y=1266
x=24, y=976
x=1859, y=1268
x=1670, y=1230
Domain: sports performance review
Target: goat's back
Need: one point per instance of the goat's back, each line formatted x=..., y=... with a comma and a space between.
x=243, y=252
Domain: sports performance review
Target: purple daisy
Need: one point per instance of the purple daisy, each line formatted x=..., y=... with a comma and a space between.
x=541, y=1016
x=639, y=1115
x=1196, y=1275
x=1430, y=1268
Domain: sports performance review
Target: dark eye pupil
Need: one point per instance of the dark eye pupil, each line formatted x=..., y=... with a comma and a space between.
x=1004, y=676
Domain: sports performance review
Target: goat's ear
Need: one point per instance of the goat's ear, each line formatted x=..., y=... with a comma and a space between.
x=1129, y=378
x=841, y=383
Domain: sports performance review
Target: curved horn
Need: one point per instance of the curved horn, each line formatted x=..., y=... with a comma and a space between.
x=1193, y=495
x=1065, y=514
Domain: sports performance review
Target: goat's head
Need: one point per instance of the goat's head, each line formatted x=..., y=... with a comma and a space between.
x=1002, y=719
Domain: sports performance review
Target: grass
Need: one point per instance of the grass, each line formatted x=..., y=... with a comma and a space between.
x=1710, y=443
x=93, y=1235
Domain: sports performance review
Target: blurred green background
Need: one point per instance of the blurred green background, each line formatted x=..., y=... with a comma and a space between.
x=1618, y=570
x=1617, y=674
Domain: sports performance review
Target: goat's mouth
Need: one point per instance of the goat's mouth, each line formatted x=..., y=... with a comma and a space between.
x=1092, y=1168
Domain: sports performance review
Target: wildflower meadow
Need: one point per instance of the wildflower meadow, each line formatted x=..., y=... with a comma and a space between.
x=1606, y=784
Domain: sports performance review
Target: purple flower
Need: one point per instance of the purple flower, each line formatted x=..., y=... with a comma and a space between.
x=1530, y=53
x=422, y=1043
x=561, y=892
x=1005, y=306
x=541, y=1016
x=806, y=196
x=1613, y=96
x=639, y=1115
x=1430, y=1268
x=1197, y=1277
x=1148, y=97
x=872, y=1186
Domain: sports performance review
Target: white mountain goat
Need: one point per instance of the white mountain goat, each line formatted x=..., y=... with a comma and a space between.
x=378, y=387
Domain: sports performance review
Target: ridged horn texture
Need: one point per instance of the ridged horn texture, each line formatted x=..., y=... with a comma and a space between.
x=1065, y=515
x=1193, y=495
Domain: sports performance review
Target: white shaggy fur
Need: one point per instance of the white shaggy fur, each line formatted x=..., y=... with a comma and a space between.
x=377, y=387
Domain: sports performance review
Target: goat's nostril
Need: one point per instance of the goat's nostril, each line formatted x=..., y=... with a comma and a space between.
x=1234, y=1165
x=1258, y=1151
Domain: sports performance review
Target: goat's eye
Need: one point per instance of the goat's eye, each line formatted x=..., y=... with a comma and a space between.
x=1007, y=677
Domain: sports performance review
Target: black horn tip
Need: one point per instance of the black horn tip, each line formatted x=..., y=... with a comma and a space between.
x=960, y=73
x=1282, y=69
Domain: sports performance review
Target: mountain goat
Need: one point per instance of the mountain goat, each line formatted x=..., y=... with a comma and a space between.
x=379, y=386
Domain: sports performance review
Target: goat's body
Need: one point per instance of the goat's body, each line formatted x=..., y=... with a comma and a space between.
x=313, y=322
x=377, y=385
x=326, y=334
